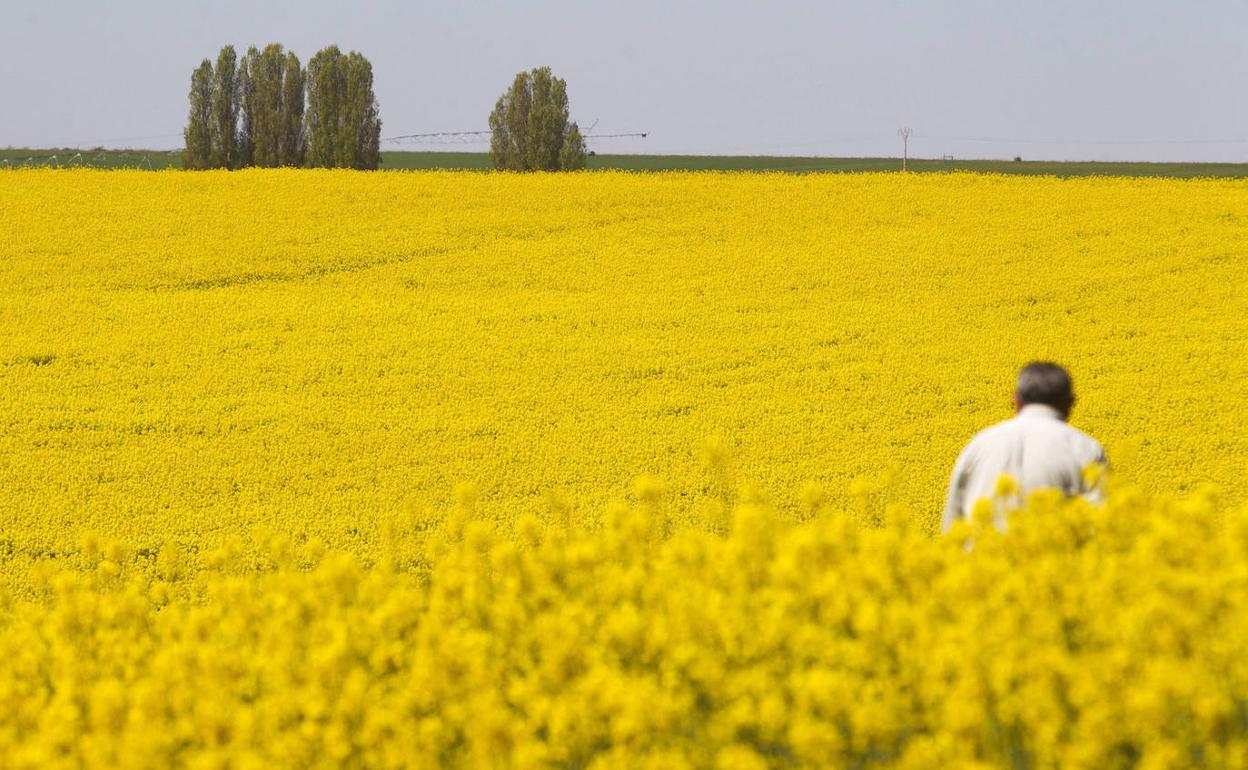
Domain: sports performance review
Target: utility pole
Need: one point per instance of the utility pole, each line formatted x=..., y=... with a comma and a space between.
x=904, y=133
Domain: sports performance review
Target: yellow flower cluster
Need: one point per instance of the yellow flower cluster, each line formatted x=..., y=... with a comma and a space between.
x=1082, y=638
x=236, y=409
x=193, y=355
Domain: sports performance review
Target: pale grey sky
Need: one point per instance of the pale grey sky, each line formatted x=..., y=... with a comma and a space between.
x=1058, y=79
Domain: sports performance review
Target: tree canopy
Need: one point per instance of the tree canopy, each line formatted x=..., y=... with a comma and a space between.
x=530, y=129
x=266, y=110
x=343, y=122
x=198, y=135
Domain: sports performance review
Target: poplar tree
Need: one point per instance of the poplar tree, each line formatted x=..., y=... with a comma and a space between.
x=292, y=143
x=266, y=120
x=274, y=107
x=247, y=108
x=225, y=96
x=529, y=127
x=323, y=106
x=342, y=118
x=197, y=136
x=362, y=150
x=572, y=155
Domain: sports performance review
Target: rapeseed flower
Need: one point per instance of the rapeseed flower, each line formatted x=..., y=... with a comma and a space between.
x=340, y=473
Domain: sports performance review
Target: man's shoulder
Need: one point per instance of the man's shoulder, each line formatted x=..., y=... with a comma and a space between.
x=1012, y=427
x=1003, y=428
x=992, y=433
x=1083, y=440
x=1065, y=434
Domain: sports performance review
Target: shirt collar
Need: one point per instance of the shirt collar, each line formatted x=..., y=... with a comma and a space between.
x=1040, y=411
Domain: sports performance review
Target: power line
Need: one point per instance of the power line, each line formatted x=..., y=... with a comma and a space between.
x=434, y=135
x=102, y=142
x=134, y=138
x=637, y=134
x=474, y=137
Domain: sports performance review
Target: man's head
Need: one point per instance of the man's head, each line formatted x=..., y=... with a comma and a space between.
x=1042, y=382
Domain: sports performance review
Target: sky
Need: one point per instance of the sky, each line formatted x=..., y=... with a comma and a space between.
x=1056, y=80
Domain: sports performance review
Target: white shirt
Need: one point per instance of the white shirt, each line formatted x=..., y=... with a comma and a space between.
x=1036, y=448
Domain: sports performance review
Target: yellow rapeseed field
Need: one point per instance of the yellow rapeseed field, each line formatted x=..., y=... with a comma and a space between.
x=324, y=469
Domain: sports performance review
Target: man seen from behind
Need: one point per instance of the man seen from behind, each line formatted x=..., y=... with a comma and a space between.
x=1037, y=448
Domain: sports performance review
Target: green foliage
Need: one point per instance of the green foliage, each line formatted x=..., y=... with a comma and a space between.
x=529, y=127
x=250, y=111
x=291, y=149
x=321, y=110
x=363, y=124
x=572, y=156
x=342, y=121
x=267, y=122
x=198, y=135
x=225, y=98
x=272, y=115
x=247, y=108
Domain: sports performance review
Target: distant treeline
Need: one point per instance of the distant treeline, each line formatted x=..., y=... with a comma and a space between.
x=268, y=110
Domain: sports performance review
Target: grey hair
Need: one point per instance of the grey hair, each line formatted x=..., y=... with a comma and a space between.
x=1042, y=382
